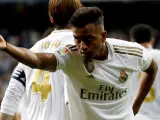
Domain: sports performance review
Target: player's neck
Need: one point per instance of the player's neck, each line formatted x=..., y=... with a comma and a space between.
x=103, y=54
x=58, y=27
x=146, y=45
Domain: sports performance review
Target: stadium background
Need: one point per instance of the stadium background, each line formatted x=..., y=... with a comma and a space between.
x=24, y=22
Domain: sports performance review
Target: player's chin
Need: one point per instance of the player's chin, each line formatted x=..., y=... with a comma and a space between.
x=87, y=57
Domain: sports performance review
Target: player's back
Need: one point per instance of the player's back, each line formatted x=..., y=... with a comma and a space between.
x=45, y=90
x=151, y=105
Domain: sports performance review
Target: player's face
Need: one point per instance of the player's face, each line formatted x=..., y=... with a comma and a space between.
x=89, y=39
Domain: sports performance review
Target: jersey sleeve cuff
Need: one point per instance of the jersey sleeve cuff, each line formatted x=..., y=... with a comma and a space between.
x=8, y=112
x=149, y=63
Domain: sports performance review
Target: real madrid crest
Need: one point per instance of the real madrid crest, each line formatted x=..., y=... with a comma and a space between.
x=123, y=76
x=89, y=65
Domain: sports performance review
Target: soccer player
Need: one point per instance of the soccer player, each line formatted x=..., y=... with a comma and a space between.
x=44, y=90
x=143, y=34
x=99, y=69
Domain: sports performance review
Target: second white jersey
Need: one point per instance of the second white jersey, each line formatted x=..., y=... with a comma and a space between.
x=22, y=109
x=105, y=93
x=44, y=90
x=151, y=105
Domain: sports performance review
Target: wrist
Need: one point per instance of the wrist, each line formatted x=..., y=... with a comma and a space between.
x=5, y=49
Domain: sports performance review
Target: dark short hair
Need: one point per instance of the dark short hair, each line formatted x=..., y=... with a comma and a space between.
x=62, y=10
x=141, y=33
x=86, y=15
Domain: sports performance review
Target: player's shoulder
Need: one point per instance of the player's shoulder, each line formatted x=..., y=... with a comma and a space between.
x=67, y=50
x=122, y=47
x=155, y=51
x=36, y=46
x=56, y=39
x=122, y=43
x=156, y=54
x=72, y=48
x=60, y=36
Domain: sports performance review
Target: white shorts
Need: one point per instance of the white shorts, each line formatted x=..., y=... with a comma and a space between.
x=141, y=117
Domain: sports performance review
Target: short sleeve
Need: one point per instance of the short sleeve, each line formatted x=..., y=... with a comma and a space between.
x=14, y=91
x=63, y=56
x=19, y=74
x=146, y=60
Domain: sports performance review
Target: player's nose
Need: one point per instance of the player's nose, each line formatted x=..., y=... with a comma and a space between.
x=83, y=46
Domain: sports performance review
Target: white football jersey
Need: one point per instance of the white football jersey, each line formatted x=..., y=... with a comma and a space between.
x=44, y=90
x=151, y=105
x=22, y=109
x=105, y=93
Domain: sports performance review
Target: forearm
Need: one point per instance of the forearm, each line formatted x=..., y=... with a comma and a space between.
x=145, y=85
x=4, y=116
x=143, y=89
x=45, y=61
x=23, y=55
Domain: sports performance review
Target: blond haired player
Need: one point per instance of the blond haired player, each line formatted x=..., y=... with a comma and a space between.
x=44, y=90
x=143, y=34
x=99, y=69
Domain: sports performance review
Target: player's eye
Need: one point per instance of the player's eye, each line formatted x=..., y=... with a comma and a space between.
x=88, y=38
x=75, y=37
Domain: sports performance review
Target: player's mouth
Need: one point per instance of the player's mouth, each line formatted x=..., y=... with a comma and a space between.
x=85, y=54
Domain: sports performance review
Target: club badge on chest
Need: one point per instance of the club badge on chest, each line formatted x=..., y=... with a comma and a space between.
x=123, y=76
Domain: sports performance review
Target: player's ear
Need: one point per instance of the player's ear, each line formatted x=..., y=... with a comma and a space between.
x=104, y=36
x=69, y=26
x=51, y=19
x=152, y=42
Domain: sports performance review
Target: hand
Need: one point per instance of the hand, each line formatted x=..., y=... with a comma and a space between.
x=3, y=44
x=135, y=110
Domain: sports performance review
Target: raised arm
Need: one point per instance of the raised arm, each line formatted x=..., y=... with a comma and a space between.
x=44, y=61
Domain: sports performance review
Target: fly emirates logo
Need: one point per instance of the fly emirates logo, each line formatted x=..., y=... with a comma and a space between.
x=105, y=93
